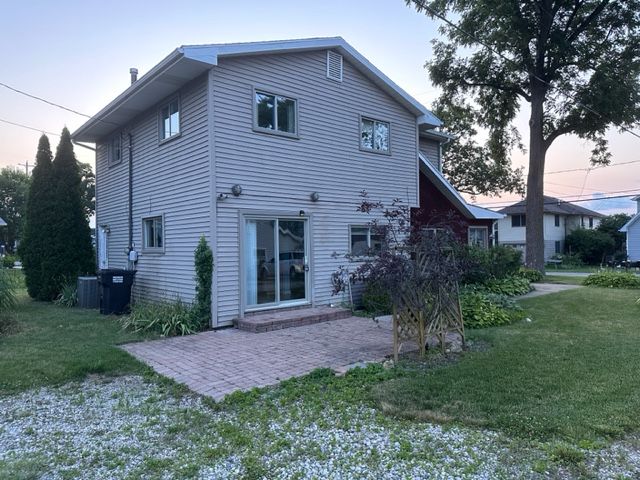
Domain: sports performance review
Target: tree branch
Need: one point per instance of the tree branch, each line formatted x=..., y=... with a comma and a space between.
x=592, y=16
x=503, y=88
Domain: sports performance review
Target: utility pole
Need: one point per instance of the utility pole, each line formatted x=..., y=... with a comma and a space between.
x=26, y=166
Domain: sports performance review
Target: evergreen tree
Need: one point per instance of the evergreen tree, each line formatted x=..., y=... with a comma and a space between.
x=71, y=253
x=35, y=245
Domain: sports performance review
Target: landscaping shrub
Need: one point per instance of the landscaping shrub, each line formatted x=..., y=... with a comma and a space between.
x=478, y=311
x=166, y=318
x=8, y=261
x=482, y=264
x=68, y=297
x=203, y=259
x=590, y=245
x=375, y=299
x=8, y=286
x=531, y=274
x=510, y=286
x=613, y=280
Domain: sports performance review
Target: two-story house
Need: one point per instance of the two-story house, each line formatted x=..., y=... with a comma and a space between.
x=264, y=149
x=560, y=219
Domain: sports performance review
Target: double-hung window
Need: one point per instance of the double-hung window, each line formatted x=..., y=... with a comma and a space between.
x=519, y=220
x=364, y=241
x=153, y=233
x=115, y=151
x=374, y=135
x=170, y=120
x=556, y=220
x=275, y=113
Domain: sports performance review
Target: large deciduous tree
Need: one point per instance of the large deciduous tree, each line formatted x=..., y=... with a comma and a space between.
x=575, y=62
x=39, y=225
x=14, y=189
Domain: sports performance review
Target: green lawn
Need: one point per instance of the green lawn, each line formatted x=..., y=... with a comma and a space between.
x=55, y=345
x=563, y=279
x=571, y=373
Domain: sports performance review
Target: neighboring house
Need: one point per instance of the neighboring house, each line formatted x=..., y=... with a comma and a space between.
x=440, y=203
x=632, y=229
x=264, y=149
x=560, y=219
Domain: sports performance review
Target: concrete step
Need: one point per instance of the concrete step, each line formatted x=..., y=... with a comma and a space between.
x=277, y=320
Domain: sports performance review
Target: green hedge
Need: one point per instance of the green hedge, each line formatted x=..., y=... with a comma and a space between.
x=613, y=280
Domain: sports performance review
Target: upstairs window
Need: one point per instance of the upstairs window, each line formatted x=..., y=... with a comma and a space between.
x=519, y=220
x=115, y=151
x=363, y=241
x=374, y=135
x=275, y=113
x=153, y=233
x=556, y=220
x=170, y=120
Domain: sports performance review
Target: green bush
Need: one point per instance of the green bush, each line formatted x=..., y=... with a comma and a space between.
x=531, y=274
x=613, y=280
x=68, y=297
x=478, y=311
x=376, y=300
x=510, y=286
x=482, y=264
x=590, y=245
x=203, y=259
x=8, y=286
x=8, y=261
x=166, y=318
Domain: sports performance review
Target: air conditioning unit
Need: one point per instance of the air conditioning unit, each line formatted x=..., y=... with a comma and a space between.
x=88, y=293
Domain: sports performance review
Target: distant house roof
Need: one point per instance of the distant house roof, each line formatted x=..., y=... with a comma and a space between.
x=551, y=205
x=443, y=185
x=2, y=223
x=189, y=61
x=627, y=225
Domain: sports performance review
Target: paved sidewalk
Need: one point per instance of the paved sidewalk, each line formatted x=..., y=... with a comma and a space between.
x=546, y=288
x=219, y=362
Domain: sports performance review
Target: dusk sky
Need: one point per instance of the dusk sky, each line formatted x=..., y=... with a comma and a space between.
x=78, y=54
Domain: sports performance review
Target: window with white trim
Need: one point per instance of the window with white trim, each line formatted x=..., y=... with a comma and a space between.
x=479, y=237
x=556, y=220
x=153, y=233
x=276, y=113
x=170, y=119
x=363, y=241
x=115, y=150
x=519, y=220
x=374, y=135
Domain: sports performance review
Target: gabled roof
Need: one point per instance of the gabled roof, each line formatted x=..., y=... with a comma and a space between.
x=189, y=61
x=551, y=205
x=443, y=185
x=626, y=226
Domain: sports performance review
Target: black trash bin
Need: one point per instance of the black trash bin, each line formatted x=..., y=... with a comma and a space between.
x=115, y=290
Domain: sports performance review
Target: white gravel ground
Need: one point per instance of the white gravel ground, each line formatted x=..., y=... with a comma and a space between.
x=129, y=428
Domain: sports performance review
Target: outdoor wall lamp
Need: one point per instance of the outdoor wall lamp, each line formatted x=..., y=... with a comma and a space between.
x=315, y=196
x=236, y=190
x=222, y=197
x=301, y=213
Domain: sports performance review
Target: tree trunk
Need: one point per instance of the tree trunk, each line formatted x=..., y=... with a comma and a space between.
x=535, y=186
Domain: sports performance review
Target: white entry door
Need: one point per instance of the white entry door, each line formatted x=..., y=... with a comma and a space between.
x=103, y=255
x=276, y=262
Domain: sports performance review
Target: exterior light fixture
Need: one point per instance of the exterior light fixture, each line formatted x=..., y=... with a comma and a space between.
x=301, y=213
x=315, y=196
x=236, y=190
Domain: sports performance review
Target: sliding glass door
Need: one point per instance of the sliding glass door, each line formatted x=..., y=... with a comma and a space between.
x=275, y=261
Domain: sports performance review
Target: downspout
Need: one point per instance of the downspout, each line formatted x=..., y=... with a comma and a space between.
x=130, y=201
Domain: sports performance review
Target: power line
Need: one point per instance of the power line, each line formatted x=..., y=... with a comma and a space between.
x=28, y=127
x=422, y=4
x=591, y=168
x=54, y=104
x=565, y=199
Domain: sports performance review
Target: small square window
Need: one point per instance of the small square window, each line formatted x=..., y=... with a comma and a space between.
x=374, y=135
x=276, y=113
x=363, y=241
x=115, y=150
x=153, y=233
x=170, y=120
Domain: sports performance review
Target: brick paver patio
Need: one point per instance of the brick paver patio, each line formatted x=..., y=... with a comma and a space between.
x=219, y=362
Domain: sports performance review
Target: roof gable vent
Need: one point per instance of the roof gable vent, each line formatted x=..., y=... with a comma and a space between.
x=334, y=66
